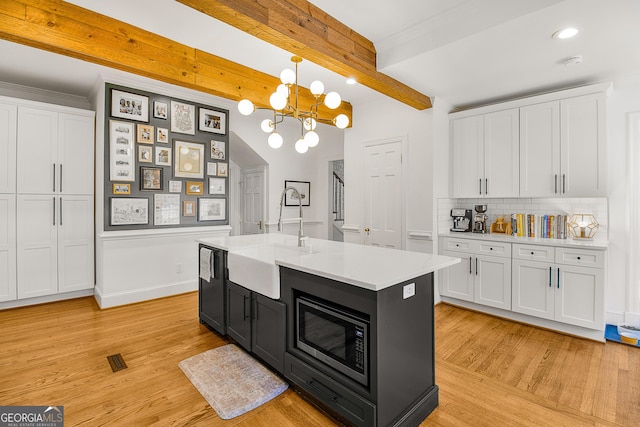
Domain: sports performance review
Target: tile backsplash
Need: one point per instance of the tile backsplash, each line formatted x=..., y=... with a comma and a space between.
x=505, y=207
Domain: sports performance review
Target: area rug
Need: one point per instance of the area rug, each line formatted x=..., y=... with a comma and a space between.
x=231, y=381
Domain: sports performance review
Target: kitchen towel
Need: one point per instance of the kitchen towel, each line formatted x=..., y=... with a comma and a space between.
x=206, y=272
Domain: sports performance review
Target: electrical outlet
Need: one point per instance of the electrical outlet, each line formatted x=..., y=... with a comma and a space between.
x=408, y=290
x=179, y=268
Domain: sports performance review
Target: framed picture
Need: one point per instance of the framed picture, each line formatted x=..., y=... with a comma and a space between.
x=303, y=187
x=212, y=209
x=194, y=188
x=166, y=209
x=160, y=110
x=212, y=121
x=212, y=169
x=150, y=178
x=129, y=106
x=175, y=186
x=145, y=134
x=127, y=211
x=189, y=208
x=217, y=150
x=223, y=169
x=188, y=160
x=183, y=118
x=217, y=185
x=121, y=188
x=121, y=160
x=163, y=156
x=162, y=135
x=145, y=154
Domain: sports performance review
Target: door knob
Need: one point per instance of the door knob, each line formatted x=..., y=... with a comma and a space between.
x=367, y=230
x=260, y=225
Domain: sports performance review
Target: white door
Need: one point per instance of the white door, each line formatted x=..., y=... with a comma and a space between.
x=75, y=243
x=37, y=254
x=493, y=281
x=579, y=293
x=456, y=281
x=75, y=154
x=501, y=148
x=37, y=151
x=468, y=156
x=540, y=150
x=7, y=247
x=8, y=123
x=253, y=202
x=382, y=185
x=533, y=288
x=583, y=158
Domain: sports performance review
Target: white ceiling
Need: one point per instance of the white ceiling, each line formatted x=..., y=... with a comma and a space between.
x=467, y=52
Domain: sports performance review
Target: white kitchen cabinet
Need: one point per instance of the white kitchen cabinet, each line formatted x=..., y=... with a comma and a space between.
x=55, y=152
x=561, y=284
x=483, y=276
x=8, y=290
x=485, y=155
x=8, y=124
x=50, y=208
x=562, y=148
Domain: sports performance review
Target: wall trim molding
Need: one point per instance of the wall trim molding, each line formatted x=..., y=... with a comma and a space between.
x=137, y=295
x=47, y=298
x=420, y=235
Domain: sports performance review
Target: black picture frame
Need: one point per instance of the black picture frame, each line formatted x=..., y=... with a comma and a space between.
x=303, y=187
x=150, y=178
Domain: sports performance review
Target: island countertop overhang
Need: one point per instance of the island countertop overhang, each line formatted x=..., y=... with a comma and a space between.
x=367, y=267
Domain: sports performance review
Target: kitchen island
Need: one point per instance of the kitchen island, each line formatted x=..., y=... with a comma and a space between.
x=351, y=326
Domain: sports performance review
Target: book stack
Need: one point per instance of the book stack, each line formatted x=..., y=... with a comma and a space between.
x=542, y=226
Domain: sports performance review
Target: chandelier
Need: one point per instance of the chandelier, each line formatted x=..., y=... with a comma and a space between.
x=284, y=103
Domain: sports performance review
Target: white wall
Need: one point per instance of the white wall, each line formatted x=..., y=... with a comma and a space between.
x=386, y=120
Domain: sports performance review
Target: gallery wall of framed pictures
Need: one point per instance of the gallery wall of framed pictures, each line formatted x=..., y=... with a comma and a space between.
x=166, y=161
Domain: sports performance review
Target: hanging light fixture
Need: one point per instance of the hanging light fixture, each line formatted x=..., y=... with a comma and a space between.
x=284, y=103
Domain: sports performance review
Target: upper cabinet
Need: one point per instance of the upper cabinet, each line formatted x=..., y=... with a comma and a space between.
x=485, y=155
x=562, y=148
x=8, y=114
x=55, y=151
x=544, y=146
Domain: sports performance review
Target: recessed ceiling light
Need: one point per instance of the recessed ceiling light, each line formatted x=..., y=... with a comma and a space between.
x=351, y=81
x=565, y=33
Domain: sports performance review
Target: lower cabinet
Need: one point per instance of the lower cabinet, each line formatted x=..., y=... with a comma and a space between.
x=211, y=295
x=561, y=284
x=483, y=276
x=257, y=323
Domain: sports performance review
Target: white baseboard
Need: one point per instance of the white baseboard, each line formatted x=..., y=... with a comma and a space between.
x=139, y=295
x=46, y=298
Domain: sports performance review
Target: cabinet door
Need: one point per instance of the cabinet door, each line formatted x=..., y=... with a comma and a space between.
x=37, y=249
x=582, y=135
x=467, y=156
x=268, y=334
x=501, y=168
x=493, y=281
x=75, y=154
x=540, y=150
x=36, y=151
x=580, y=296
x=7, y=247
x=456, y=281
x=75, y=243
x=533, y=288
x=8, y=125
x=211, y=296
x=239, y=314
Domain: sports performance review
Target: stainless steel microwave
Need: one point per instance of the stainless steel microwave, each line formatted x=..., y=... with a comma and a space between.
x=334, y=336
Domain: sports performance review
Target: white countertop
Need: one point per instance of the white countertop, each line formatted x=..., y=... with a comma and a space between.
x=499, y=237
x=368, y=267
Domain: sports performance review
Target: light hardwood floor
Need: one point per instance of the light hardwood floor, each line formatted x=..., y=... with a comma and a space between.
x=491, y=372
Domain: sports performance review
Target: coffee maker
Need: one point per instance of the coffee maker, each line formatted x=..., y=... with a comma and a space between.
x=480, y=219
x=461, y=219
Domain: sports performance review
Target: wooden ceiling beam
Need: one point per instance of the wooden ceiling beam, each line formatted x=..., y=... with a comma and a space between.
x=305, y=30
x=70, y=30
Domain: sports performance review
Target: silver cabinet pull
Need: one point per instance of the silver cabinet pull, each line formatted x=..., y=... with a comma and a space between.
x=555, y=180
x=480, y=185
x=558, y=277
x=469, y=265
x=61, y=177
x=61, y=207
x=549, y=276
x=486, y=186
x=563, y=184
x=476, y=266
x=54, y=177
x=54, y=210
